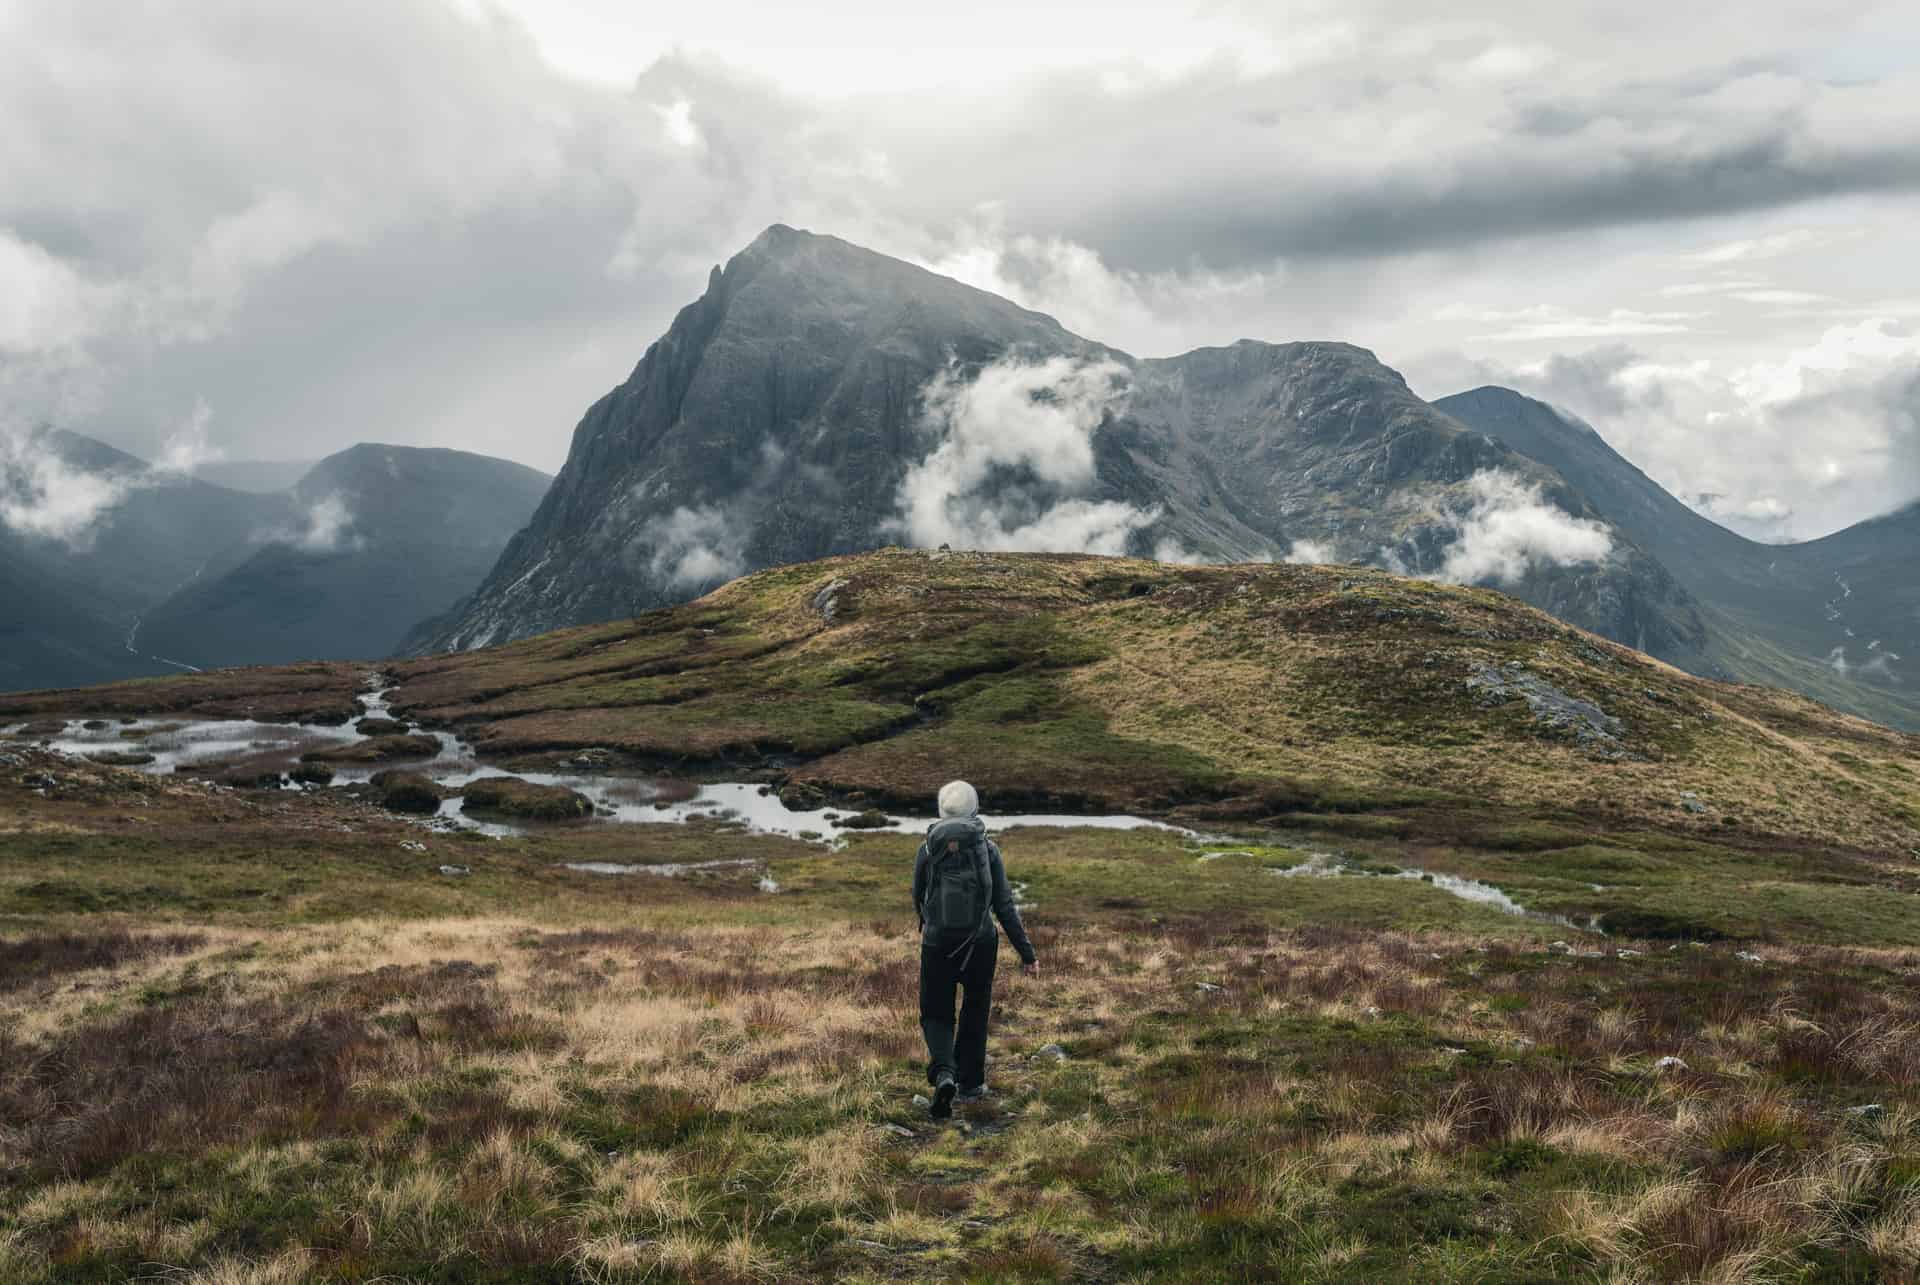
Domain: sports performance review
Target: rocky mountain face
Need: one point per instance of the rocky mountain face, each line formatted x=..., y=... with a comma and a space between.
x=373, y=539
x=1836, y=618
x=823, y=399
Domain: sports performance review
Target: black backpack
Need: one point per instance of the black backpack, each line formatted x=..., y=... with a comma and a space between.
x=959, y=882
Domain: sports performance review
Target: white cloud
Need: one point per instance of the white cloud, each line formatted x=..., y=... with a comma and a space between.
x=1011, y=422
x=697, y=545
x=188, y=450
x=676, y=120
x=1551, y=321
x=1753, y=249
x=42, y=496
x=1509, y=528
x=1310, y=553
x=324, y=526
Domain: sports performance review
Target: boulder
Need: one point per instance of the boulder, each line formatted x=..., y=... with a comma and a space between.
x=403, y=791
x=378, y=749
x=381, y=727
x=96, y=725
x=312, y=774
x=511, y=796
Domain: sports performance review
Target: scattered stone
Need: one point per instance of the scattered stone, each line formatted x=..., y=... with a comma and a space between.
x=767, y=884
x=1453, y=1052
x=1551, y=707
x=401, y=791
x=1749, y=956
x=456, y=870
x=1559, y=948
x=381, y=727
x=1670, y=1063
x=1522, y=1042
x=1052, y=1052
x=413, y=845
x=1626, y=952
x=897, y=1130
x=1207, y=987
x=511, y=796
x=1690, y=802
x=1871, y=1111
x=1371, y=1010
x=922, y=1100
x=589, y=760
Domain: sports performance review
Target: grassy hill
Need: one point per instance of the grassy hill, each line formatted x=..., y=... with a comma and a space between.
x=261, y=1036
x=1253, y=691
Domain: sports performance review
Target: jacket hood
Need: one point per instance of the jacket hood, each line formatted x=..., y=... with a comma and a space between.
x=955, y=828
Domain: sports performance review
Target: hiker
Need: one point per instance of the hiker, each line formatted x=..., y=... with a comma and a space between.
x=959, y=888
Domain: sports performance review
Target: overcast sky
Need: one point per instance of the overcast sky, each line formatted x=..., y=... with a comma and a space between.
x=271, y=229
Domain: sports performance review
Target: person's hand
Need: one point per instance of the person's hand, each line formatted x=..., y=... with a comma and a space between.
x=1031, y=968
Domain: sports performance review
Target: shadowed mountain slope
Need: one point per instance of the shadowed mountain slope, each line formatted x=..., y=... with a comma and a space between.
x=1837, y=618
x=377, y=538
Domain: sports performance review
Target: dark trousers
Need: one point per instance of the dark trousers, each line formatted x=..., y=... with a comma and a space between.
x=959, y=1051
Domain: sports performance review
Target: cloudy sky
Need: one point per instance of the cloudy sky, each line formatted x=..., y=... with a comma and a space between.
x=270, y=230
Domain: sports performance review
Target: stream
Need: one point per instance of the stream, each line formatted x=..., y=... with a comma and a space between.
x=622, y=799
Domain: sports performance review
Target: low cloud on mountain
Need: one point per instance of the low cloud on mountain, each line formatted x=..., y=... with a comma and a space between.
x=323, y=526
x=42, y=495
x=1015, y=460
x=1508, y=528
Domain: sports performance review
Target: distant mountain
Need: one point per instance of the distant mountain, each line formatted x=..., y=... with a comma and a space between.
x=68, y=604
x=1837, y=618
x=819, y=396
x=373, y=540
x=263, y=477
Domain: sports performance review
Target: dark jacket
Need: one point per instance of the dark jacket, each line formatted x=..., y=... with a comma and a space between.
x=1002, y=898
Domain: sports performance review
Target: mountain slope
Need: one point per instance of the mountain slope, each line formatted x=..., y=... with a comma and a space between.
x=821, y=398
x=1836, y=618
x=383, y=536
x=71, y=601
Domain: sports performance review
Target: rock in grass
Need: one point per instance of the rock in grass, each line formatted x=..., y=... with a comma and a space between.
x=381, y=727
x=871, y=819
x=511, y=796
x=402, y=791
x=121, y=758
x=1052, y=1052
x=1670, y=1063
x=379, y=749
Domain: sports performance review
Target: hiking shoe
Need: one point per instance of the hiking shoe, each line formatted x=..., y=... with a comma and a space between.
x=974, y=1094
x=943, y=1093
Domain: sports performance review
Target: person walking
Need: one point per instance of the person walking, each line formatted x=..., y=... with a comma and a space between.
x=959, y=889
